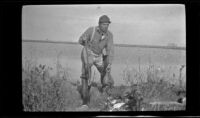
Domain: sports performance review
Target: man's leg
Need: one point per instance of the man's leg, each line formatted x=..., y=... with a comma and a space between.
x=106, y=78
x=102, y=74
x=105, y=62
x=101, y=64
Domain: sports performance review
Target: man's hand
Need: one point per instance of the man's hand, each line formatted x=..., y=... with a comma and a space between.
x=108, y=68
x=85, y=42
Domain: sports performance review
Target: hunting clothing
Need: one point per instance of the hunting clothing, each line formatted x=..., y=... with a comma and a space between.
x=99, y=42
x=94, y=42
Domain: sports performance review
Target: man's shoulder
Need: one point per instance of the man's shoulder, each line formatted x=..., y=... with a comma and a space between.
x=110, y=33
x=90, y=29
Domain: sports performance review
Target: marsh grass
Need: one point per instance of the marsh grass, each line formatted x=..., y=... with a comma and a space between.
x=42, y=92
x=153, y=85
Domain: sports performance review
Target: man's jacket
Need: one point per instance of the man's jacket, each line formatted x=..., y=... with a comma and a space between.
x=99, y=41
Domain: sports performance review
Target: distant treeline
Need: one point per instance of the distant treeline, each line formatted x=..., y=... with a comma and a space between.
x=120, y=45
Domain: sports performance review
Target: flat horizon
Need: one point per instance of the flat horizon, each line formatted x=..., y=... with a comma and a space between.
x=116, y=44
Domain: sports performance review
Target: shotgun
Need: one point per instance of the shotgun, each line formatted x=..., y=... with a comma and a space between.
x=87, y=63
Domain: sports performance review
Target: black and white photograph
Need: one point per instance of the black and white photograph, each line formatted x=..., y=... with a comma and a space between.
x=104, y=57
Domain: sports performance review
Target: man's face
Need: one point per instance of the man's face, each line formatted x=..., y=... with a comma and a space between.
x=103, y=26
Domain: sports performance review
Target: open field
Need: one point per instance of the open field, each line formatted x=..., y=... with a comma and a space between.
x=125, y=57
x=155, y=72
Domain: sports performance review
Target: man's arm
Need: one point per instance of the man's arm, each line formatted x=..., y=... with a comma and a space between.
x=85, y=37
x=110, y=49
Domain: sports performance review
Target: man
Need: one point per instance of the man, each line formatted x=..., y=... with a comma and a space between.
x=95, y=40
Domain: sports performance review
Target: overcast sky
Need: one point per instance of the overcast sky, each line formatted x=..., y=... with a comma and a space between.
x=155, y=24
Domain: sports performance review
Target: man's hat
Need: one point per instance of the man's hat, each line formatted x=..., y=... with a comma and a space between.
x=104, y=19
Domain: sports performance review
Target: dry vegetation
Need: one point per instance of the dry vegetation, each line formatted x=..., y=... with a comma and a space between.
x=149, y=90
x=42, y=92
